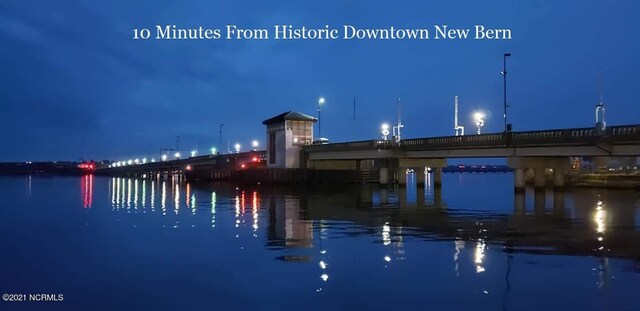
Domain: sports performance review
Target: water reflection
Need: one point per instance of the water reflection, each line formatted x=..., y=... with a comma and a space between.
x=86, y=188
x=300, y=226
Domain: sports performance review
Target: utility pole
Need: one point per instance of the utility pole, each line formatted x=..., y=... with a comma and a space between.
x=220, y=132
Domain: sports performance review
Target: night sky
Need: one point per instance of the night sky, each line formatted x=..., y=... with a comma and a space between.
x=74, y=84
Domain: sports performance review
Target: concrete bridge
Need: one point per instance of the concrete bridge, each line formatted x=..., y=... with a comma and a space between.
x=537, y=150
x=294, y=161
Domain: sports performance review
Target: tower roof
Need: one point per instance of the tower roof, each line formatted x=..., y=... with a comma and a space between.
x=289, y=115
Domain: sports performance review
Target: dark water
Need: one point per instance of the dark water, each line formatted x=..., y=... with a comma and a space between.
x=122, y=244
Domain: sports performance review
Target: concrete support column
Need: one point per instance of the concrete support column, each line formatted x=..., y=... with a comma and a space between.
x=402, y=177
x=420, y=176
x=538, y=177
x=558, y=179
x=384, y=175
x=437, y=177
x=518, y=180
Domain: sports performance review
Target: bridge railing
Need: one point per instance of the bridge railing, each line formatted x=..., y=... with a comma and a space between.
x=575, y=136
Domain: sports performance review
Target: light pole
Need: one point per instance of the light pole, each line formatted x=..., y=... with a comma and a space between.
x=320, y=103
x=504, y=77
x=221, y=125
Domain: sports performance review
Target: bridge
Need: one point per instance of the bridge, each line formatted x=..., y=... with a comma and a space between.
x=536, y=150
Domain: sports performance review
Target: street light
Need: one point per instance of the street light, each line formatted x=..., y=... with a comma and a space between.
x=194, y=153
x=164, y=157
x=237, y=146
x=177, y=155
x=479, y=118
x=254, y=144
x=320, y=103
x=213, y=150
x=385, y=130
x=504, y=76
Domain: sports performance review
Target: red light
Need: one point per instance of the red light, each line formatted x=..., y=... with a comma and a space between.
x=255, y=159
x=242, y=166
x=188, y=167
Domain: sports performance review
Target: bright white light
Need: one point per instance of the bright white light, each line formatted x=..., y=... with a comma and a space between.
x=177, y=155
x=323, y=265
x=130, y=162
x=164, y=157
x=254, y=144
x=144, y=160
x=194, y=153
x=153, y=160
x=387, y=258
x=237, y=146
x=324, y=277
x=136, y=161
x=385, y=130
x=321, y=100
x=214, y=150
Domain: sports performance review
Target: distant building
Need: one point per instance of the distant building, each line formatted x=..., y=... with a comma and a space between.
x=286, y=132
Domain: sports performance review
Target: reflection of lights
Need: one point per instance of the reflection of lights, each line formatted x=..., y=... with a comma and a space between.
x=213, y=209
x=144, y=193
x=323, y=265
x=135, y=194
x=324, y=277
x=128, y=193
x=387, y=258
x=479, y=255
x=163, y=200
x=176, y=199
x=152, y=199
x=86, y=185
x=599, y=217
x=386, y=234
x=459, y=244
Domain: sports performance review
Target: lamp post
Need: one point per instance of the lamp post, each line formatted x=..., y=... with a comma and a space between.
x=504, y=77
x=320, y=103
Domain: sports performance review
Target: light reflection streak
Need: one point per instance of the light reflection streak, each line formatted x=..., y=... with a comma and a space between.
x=135, y=194
x=144, y=193
x=128, y=193
x=152, y=199
x=163, y=199
x=176, y=199
x=459, y=245
x=479, y=255
x=254, y=211
x=213, y=209
x=113, y=192
x=86, y=188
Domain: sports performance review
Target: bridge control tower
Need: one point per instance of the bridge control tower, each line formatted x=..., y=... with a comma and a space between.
x=286, y=133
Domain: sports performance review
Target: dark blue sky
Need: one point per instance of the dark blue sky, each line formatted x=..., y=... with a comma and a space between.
x=74, y=84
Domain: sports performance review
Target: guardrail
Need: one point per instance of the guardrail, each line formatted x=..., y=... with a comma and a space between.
x=575, y=136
